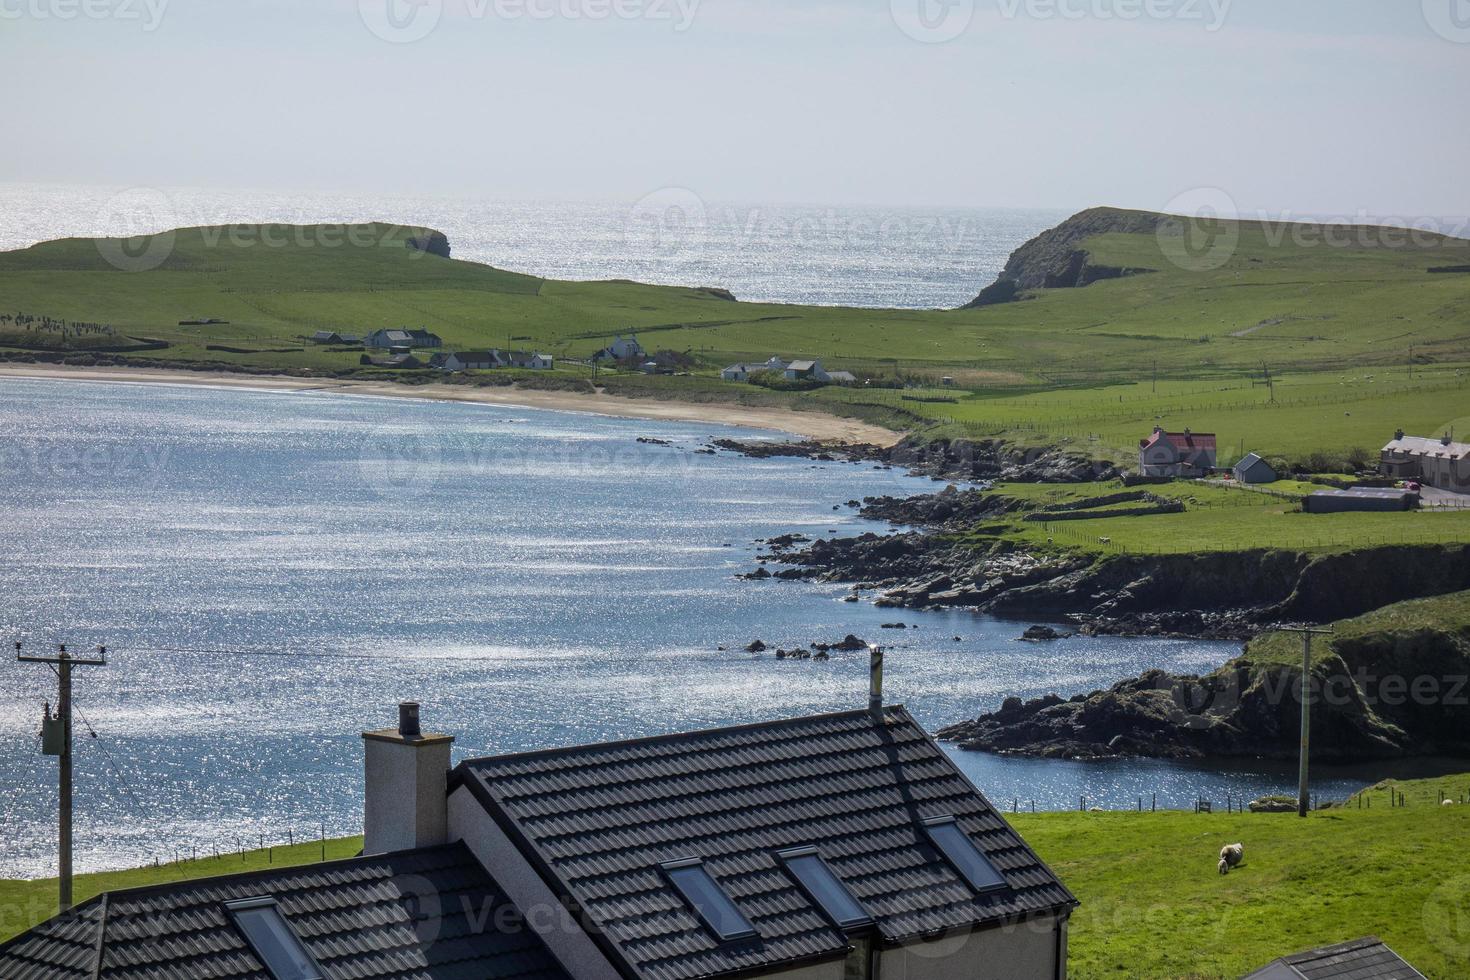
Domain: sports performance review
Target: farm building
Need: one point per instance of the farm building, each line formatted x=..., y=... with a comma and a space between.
x=806, y=371
x=400, y=361
x=842, y=377
x=1254, y=469
x=1441, y=463
x=1362, y=959
x=332, y=337
x=1359, y=499
x=1184, y=453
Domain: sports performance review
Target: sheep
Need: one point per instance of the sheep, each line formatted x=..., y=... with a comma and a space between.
x=1448, y=803
x=1230, y=856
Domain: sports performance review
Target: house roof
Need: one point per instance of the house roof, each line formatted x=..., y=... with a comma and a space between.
x=431, y=914
x=801, y=365
x=1361, y=959
x=598, y=821
x=1418, y=446
x=841, y=375
x=1184, y=442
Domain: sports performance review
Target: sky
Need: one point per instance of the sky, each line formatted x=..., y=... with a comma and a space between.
x=1325, y=107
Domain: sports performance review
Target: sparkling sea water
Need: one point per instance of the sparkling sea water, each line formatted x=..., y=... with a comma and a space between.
x=272, y=572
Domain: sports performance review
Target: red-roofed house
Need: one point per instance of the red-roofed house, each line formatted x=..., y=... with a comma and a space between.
x=1176, y=453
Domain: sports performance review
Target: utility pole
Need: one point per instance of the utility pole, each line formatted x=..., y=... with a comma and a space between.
x=56, y=740
x=1302, y=799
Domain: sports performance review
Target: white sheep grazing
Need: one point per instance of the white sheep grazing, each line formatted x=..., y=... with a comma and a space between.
x=1230, y=856
x=1448, y=803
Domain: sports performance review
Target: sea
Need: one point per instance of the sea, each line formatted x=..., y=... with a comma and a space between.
x=272, y=572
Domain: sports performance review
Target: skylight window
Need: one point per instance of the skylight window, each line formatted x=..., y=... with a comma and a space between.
x=708, y=900
x=962, y=853
x=824, y=887
x=271, y=937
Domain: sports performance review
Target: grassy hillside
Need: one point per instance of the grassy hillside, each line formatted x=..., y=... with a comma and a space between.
x=1152, y=904
x=1092, y=366
x=1402, y=620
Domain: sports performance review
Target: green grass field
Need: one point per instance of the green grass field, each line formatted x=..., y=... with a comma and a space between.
x=1216, y=518
x=1094, y=367
x=1154, y=906
x=1152, y=903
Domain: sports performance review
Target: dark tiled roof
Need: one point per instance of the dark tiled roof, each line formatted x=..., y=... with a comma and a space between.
x=1361, y=959
x=601, y=819
x=414, y=915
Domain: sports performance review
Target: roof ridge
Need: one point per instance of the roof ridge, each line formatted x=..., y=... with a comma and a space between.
x=101, y=937
x=895, y=709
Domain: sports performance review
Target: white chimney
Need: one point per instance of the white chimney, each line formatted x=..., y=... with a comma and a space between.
x=404, y=804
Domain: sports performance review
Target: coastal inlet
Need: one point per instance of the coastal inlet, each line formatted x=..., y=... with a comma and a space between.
x=273, y=571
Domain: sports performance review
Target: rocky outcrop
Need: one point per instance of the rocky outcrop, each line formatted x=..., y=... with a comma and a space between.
x=963, y=460
x=1381, y=695
x=1055, y=259
x=1227, y=595
x=433, y=242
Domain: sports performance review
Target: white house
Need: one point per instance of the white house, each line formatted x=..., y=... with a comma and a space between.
x=1186, y=454
x=843, y=846
x=479, y=360
x=1441, y=463
x=743, y=371
x=403, y=337
x=620, y=350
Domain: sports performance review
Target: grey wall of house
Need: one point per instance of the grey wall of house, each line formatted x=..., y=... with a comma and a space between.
x=469, y=822
x=404, y=788
x=1026, y=951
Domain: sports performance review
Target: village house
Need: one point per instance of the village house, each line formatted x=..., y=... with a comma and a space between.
x=402, y=337
x=620, y=350
x=806, y=371
x=1177, y=454
x=841, y=846
x=743, y=371
x=1441, y=463
x=478, y=360
x=526, y=359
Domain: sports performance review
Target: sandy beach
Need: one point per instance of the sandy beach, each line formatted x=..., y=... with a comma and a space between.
x=811, y=425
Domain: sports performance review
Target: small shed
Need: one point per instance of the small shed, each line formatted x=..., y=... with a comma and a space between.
x=1360, y=499
x=1254, y=469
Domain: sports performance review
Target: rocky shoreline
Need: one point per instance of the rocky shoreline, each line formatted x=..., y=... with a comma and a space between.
x=959, y=460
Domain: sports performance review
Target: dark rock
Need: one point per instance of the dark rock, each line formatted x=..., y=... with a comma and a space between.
x=850, y=642
x=1037, y=633
x=756, y=646
x=895, y=626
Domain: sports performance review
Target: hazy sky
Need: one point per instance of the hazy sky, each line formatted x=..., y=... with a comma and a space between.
x=1325, y=106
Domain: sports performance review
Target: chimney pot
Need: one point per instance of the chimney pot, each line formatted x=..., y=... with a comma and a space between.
x=875, y=680
x=1398, y=434
x=408, y=719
